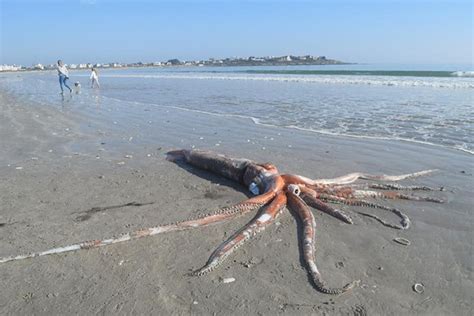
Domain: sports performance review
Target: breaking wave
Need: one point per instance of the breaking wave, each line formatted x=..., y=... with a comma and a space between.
x=463, y=74
x=461, y=82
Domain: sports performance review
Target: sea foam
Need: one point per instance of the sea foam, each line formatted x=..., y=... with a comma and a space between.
x=451, y=83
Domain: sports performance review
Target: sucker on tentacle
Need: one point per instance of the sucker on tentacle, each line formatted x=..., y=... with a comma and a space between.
x=272, y=192
x=255, y=226
x=404, y=219
x=218, y=216
x=393, y=195
x=311, y=198
x=394, y=186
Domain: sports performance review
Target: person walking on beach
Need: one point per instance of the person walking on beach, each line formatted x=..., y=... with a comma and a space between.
x=63, y=74
x=94, y=78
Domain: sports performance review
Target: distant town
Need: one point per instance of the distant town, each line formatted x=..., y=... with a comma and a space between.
x=211, y=62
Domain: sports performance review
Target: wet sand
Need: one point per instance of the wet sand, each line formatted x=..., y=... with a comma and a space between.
x=56, y=164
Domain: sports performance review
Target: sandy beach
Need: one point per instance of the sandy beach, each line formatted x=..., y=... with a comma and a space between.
x=58, y=163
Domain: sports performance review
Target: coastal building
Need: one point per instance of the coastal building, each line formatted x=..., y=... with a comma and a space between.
x=229, y=61
x=10, y=68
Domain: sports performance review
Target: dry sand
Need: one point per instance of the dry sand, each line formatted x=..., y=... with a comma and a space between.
x=58, y=163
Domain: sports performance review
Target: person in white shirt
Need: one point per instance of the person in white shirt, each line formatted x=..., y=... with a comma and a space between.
x=63, y=74
x=94, y=78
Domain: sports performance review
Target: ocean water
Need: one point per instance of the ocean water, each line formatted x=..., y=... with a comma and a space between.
x=424, y=104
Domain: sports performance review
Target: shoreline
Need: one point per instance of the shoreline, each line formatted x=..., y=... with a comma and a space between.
x=88, y=167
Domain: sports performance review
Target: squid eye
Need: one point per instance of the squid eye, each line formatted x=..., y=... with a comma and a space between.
x=253, y=187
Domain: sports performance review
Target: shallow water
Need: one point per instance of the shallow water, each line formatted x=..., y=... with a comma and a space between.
x=350, y=100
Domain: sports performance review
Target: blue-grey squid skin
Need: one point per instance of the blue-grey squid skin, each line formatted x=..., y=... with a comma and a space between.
x=243, y=171
x=273, y=192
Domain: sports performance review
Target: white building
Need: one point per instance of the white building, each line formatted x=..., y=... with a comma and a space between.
x=9, y=68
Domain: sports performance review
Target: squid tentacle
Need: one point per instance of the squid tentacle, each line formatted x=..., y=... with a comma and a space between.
x=311, y=198
x=393, y=195
x=309, y=226
x=387, y=186
x=218, y=216
x=230, y=211
x=256, y=225
x=405, y=220
x=394, y=186
x=352, y=177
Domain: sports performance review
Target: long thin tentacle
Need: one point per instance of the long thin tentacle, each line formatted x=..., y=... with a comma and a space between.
x=311, y=198
x=394, y=186
x=349, y=192
x=309, y=225
x=404, y=219
x=386, y=186
x=259, y=223
x=352, y=177
x=393, y=195
x=404, y=222
x=218, y=216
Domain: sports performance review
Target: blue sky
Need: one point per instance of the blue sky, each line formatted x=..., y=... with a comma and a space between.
x=403, y=31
